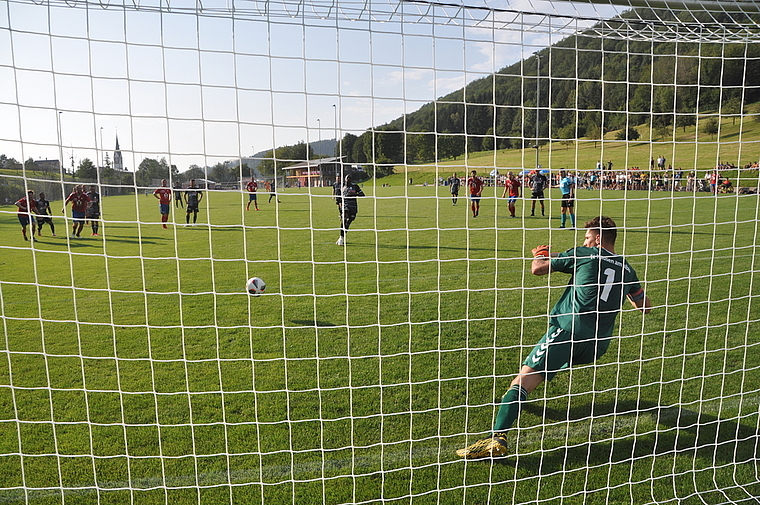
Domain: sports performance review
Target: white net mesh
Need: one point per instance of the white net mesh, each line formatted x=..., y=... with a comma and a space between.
x=135, y=367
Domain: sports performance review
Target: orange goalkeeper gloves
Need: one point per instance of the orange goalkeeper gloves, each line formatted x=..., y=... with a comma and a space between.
x=541, y=251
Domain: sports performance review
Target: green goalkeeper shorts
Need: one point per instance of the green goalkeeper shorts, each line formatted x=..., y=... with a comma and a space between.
x=557, y=349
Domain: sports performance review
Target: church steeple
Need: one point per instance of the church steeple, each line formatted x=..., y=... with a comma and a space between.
x=118, y=161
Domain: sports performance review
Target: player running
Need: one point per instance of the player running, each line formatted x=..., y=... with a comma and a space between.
x=511, y=189
x=27, y=206
x=475, y=184
x=454, y=183
x=580, y=324
x=164, y=195
x=44, y=214
x=79, y=201
x=348, y=207
x=272, y=190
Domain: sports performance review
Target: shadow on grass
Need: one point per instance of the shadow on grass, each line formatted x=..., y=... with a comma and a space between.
x=688, y=433
x=374, y=245
x=312, y=322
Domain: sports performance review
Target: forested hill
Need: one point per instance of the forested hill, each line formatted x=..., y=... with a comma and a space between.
x=634, y=82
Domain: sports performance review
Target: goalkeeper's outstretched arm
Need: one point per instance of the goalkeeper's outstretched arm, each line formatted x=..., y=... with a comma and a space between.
x=541, y=260
x=641, y=301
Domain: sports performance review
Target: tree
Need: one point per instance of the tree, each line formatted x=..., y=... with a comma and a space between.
x=347, y=146
x=87, y=170
x=734, y=108
x=194, y=172
x=488, y=141
x=685, y=120
x=29, y=165
x=663, y=131
x=593, y=131
x=220, y=173
x=629, y=134
x=357, y=154
x=567, y=134
x=110, y=176
x=11, y=163
x=710, y=127
x=150, y=169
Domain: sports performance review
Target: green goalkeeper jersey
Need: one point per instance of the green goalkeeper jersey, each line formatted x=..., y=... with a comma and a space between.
x=595, y=293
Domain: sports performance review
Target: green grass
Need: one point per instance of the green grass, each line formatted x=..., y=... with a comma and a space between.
x=134, y=368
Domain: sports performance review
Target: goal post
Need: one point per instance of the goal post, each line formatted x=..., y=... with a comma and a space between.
x=319, y=146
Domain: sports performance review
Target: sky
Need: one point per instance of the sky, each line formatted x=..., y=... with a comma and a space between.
x=236, y=78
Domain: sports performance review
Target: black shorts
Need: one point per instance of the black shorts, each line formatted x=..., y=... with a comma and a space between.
x=24, y=218
x=348, y=211
x=191, y=208
x=567, y=201
x=538, y=194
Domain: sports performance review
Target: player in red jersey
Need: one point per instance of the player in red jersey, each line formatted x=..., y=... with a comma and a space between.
x=252, y=187
x=475, y=184
x=26, y=206
x=79, y=201
x=164, y=195
x=512, y=188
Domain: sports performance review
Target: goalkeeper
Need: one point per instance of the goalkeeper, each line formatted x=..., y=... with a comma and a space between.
x=580, y=324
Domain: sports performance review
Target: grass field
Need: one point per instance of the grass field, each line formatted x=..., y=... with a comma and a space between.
x=134, y=368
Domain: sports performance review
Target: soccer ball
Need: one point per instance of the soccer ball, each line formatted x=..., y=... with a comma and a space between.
x=255, y=286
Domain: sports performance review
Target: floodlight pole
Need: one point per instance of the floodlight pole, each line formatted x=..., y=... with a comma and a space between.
x=60, y=144
x=102, y=153
x=538, y=100
x=335, y=126
x=319, y=130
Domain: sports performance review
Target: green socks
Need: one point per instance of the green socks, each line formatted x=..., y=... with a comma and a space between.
x=510, y=408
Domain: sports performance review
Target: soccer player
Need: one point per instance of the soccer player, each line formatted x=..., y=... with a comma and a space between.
x=26, y=206
x=512, y=189
x=79, y=201
x=475, y=184
x=567, y=187
x=348, y=207
x=164, y=195
x=193, y=197
x=252, y=187
x=454, y=183
x=273, y=191
x=178, y=195
x=580, y=324
x=93, y=210
x=538, y=183
x=43, y=215
x=337, y=192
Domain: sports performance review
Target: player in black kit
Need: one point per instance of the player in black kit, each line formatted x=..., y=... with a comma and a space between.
x=347, y=206
x=538, y=182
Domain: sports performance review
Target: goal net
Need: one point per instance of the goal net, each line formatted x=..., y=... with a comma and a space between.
x=136, y=368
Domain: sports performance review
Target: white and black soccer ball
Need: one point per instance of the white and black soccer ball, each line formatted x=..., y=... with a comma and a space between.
x=255, y=286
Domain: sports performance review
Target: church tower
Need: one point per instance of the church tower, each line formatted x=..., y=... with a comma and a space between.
x=118, y=161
